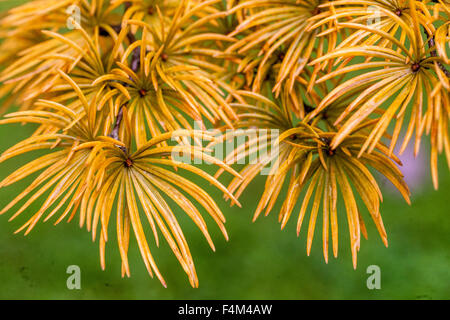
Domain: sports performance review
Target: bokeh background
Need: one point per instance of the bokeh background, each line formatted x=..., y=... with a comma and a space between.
x=259, y=261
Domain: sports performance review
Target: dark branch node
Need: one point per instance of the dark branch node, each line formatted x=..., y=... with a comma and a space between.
x=415, y=67
x=128, y=163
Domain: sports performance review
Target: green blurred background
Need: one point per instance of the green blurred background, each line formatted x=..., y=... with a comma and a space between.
x=259, y=261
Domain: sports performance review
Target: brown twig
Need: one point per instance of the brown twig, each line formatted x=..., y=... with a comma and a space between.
x=115, y=131
x=136, y=55
x=135, y=62
x=433, y=52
